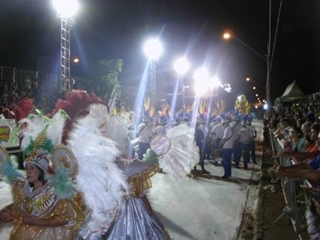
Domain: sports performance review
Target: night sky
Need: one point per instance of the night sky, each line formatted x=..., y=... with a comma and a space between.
x=109, y=29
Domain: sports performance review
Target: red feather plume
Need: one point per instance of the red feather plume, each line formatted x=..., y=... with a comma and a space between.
x=23, y=109
x=76, y=106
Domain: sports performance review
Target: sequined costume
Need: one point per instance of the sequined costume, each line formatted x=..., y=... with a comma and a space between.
x=44, y=204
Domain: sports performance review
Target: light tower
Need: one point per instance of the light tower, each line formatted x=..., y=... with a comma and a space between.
x=66, y=9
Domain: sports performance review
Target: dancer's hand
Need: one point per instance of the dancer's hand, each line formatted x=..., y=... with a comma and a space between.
x=5, y=215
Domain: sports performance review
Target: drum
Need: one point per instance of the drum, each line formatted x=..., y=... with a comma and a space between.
x=160, y=144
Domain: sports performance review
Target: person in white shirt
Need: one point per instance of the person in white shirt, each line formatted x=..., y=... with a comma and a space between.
x=217, y=135
x=227, y=148
x=160, y=128
x=144, y=134
x=236, y=126
x=252, y=142
x=132, y=133
x=245, y=137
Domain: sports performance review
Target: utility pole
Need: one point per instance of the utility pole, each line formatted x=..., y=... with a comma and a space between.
x=268, y=85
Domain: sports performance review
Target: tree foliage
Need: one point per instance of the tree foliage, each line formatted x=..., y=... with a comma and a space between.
x=105, y=77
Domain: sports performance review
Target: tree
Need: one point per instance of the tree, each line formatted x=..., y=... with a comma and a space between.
x=105, y=78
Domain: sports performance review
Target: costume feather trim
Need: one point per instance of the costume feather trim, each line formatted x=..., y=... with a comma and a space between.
x=23, y=109
x=99, y=178
x=182, y=155
x=62, y=184
x=9, y=167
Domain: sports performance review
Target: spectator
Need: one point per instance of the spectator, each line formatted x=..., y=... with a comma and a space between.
x=252, y=142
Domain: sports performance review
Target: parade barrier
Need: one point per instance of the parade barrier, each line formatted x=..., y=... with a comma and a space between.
x=295, y=197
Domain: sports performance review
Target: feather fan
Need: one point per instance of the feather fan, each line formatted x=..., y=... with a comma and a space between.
x=183, y=153
x=99, y=178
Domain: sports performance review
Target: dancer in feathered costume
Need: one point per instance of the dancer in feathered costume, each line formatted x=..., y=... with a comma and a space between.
x=115, y=185
x=45, y=203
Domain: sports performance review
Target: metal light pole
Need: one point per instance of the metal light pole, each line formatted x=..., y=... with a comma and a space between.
x=66, y=9
x=153, y=49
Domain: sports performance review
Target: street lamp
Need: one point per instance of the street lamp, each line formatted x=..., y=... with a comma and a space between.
x=181, y=66
x=251, y=80
x=265, y=59
x=153, y=49
x=66, y=9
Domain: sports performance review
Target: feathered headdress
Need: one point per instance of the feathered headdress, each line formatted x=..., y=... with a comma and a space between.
x=38, y=152
x=76, y=105
x=41, y=138
x=23, y=109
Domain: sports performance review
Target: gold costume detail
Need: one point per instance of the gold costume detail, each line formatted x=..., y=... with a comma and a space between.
x=44, y=204
x=142, y=182
x=65, y=162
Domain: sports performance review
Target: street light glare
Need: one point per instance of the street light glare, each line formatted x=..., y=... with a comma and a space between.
x=201, y=74
x=66, y=8
x=201, y=85
x=215, y=82
x=181, y=66
x=153, y=49
x=226, y=36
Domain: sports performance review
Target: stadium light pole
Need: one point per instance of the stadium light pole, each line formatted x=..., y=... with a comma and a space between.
x=66, y=10
x=153, y=50
x=265, y=59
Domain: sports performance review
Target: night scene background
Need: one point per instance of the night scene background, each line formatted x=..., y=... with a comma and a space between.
x=116, y=29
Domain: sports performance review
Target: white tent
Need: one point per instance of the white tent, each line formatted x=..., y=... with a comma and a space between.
x=292, y=93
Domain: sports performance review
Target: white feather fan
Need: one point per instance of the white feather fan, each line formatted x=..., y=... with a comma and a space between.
x=181, y=155
x=99, y=178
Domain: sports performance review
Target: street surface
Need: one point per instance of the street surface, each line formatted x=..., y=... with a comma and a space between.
x=205, y=207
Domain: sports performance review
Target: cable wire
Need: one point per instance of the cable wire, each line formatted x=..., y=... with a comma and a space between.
x=276, y=34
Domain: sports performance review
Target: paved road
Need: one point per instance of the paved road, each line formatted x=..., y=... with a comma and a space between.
x=202, y=208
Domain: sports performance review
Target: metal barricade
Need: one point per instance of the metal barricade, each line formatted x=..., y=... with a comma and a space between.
x=294, y=197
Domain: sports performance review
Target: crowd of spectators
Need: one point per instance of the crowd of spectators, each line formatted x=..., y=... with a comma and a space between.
x=297, y=130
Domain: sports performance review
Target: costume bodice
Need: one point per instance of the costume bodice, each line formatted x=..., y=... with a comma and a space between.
x=38, y=203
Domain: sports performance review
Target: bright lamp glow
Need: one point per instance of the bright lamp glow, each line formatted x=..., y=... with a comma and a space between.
x=66, y=8
x=201, y=77
x=153, y=49
x=226, y=35
x=181, y=66
x=215, y=82
x=265, y=106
